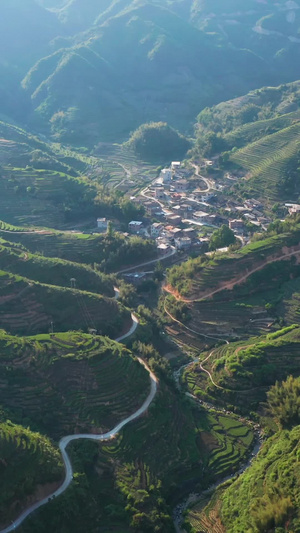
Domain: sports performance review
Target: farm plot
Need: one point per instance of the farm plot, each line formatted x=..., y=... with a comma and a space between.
x=270, y=161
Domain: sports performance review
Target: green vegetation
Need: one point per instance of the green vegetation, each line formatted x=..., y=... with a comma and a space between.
x=256, y=134
x=247, y=368
x=53, y=271
x=137, y=478
x=196, y=276
x=222, y=237
x=144, y=76
x=30, y=466
x=128, y=64
x=158, y=142
x=266, y=496
x=89, y=382
x=106, y=252
x=284, y=402
x=273, y=163
x=27, y=306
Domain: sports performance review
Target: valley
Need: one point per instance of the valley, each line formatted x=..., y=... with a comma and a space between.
x=149, y=266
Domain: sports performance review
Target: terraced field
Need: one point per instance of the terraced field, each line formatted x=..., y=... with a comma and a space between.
x=28, y=307
x=251, y=502
x=203, y=276
x=123, y=170
x=15, y=259
x=69, y=383
x=107, y=252
x=271, y=162
x=194, y=446
x=40, y=195
x=246, y=369
x=252, y=132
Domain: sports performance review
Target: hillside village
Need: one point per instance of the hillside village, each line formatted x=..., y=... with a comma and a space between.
x=184, y=205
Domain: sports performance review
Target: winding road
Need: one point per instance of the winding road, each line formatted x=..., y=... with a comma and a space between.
x=229, y=285
x=65, y=441
x=210, y=184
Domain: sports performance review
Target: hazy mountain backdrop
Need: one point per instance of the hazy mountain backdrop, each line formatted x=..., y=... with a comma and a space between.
x=91, y=70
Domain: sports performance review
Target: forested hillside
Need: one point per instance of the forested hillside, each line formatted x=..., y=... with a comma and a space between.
x=145, y=74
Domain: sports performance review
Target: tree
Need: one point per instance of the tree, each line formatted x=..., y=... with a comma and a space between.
x=110, y=229
x=159, y=271
x=284, y=402
x=222, y=237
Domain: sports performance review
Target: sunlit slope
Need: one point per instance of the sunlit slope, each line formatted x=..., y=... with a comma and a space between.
x=272, y=163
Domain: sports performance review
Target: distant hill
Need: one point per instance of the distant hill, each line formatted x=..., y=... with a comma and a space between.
x=158, y=142
x=147, y=74
x=25, y=38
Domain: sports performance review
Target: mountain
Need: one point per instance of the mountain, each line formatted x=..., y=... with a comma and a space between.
x=145, y=74
x=26, y=37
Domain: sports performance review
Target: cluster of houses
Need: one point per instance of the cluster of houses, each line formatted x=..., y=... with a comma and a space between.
x=176, y=208
x=174, y=203
x=252, y=211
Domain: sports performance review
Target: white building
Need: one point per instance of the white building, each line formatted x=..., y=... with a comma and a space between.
x=236, y=225
x=135, y=226
x=166, y=175
x=181, y=185
x=156, y=229
x=163, y=249
x=293, y=208
x=102, y=224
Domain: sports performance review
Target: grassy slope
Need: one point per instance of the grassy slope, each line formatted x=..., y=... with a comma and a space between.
x=29, y=462
x=268, y=488
x=69, y=382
